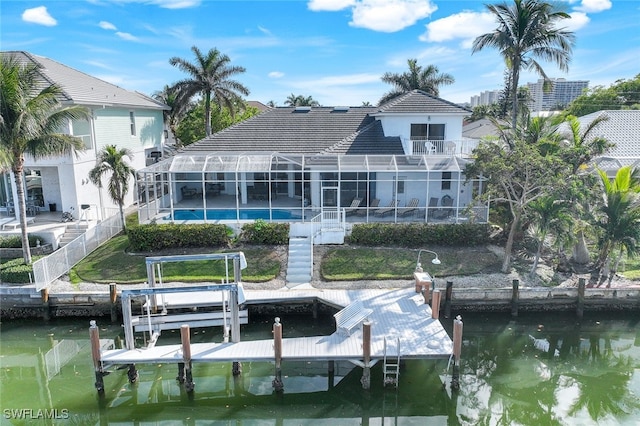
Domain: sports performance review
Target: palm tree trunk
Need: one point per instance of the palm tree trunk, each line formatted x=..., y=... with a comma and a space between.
x=207, y=113
x=22, y=210
x=514, y=93
x=536, y=259
x=124, y=224
x=580, y=250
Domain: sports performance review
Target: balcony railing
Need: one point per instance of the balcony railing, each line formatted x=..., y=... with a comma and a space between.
x=462, y=147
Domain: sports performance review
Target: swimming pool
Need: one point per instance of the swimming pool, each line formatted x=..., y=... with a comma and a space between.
x=243, y=214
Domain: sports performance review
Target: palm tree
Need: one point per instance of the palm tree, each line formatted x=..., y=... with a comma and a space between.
x=427, y=79
x=548, y=214
x=111, y=161
x=31, y=119
x=527, y=30
x=619, y=220
x=179, y=105
x=299, y=100
x=210, y=76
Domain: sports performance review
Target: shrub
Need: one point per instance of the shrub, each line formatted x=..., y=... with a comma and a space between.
x=15, y=271
x=15, y=241
x=419, y=235
x=262, y=232
x=158, y=237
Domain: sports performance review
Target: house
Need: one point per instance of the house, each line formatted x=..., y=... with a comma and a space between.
x=402, y=161
x=118, y=117
x=622, y=128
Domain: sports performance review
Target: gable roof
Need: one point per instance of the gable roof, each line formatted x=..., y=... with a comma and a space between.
x=82, y=89
x=420, y=102
x=291, y=130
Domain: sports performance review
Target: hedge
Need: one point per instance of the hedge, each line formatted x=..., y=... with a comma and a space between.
x=262, y=232
x=15, y=241
x=15, y=271
x=154, y=237
x=418, y=235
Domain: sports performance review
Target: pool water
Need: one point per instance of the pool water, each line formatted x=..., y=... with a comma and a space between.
x=232, y=214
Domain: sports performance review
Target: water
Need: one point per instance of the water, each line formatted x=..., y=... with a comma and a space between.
x=244, y=214
x=541, y=369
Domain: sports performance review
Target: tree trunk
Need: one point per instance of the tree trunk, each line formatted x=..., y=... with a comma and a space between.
x=536, y=259
x=124, y=226
x=514, y=94
x=22, y=209
x=506, y=263
x=207, y=113
x=580, y=250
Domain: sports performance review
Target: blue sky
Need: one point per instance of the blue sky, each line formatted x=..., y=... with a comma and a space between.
x=333, y=50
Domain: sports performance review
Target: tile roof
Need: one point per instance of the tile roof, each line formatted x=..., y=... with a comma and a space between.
x=323, y=130
x=418, y=101
x=622, y=128
x=304, y=131
x=82, y=89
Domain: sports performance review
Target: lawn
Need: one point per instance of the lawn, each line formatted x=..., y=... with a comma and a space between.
x=111, y=263
x=363, y=263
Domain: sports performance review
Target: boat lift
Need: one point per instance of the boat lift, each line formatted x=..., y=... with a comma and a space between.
x=186, y=297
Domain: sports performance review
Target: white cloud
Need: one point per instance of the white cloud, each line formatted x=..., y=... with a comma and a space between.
x=107, y=25
x=329, y=5
x=276, y=74
x=390, y=15
x=594, y=6
x=39, y=15
x=126, y=36
x=379, y=15
x=464, y=25
x=264, y=30
x=176, y=4
x=578, y=20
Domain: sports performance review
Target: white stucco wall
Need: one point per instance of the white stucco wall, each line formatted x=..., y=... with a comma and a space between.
x=400, y=125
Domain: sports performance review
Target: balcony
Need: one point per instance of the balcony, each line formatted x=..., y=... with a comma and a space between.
x=461, y=148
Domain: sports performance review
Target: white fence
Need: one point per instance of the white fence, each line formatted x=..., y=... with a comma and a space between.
x=58, y=263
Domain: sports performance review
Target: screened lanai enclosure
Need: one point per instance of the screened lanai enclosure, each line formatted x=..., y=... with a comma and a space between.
x=223, y=187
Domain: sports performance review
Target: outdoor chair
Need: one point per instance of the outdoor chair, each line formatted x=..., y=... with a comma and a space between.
x=386, y=210
x=353, y=208
x=447, y=201
x=374, y=204
x=410, y=208
x=433, y=203
x=188, y=192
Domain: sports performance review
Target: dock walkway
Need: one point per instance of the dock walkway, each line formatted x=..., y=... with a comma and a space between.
x=399, y=313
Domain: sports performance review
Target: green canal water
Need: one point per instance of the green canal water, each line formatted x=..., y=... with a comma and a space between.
x=540, y=369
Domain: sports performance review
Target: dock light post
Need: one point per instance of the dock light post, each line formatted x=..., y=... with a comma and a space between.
x=435, y=261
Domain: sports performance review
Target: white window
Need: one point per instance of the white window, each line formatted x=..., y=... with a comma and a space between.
x=132, y=121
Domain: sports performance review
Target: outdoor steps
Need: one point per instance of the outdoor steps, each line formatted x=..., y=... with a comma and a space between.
x=72, y=231
x=300, y=264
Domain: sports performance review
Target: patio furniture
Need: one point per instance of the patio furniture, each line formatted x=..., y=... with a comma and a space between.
x=374, y=204
x=447, y=201
x=433, y=203
x=188, y=192
x=386, y=210
x=410, y=208
x=353, y=208
x=16, y=223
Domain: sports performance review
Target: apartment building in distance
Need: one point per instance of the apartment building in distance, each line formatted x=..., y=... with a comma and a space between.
x=559, y=95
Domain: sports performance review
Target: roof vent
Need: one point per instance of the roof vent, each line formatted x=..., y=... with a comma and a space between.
x=302, y=109
x=340, y=109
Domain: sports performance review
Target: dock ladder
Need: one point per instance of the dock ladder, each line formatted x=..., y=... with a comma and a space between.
x=391, y=364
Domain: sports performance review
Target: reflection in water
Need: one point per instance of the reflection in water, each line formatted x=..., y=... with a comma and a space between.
x=514, y=372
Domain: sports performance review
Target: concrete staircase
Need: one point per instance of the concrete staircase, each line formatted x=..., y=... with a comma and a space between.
x=72, y=231
x=300, y=264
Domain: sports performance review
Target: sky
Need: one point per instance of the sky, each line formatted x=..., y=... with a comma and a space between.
x=332, y=50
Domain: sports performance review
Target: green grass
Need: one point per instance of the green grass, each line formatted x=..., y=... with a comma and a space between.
x=349, y=263
x=110, y=263
x=632, y=269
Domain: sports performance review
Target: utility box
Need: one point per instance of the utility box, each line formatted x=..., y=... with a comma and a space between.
x=423, y=281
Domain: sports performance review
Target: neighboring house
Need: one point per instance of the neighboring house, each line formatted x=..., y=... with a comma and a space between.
x=118, y=117
x=403, y=161
x=621, y=128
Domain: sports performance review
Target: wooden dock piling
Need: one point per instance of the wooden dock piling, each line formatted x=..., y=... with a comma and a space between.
x=515, y=297
x=277, y=349
x=113, y=298
x=457, y=350
x=185, y=338
x=94, y=337
x=46, y=309
x=447, y=299
x=580, y=303
x=435, y=304
x=366, y=354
